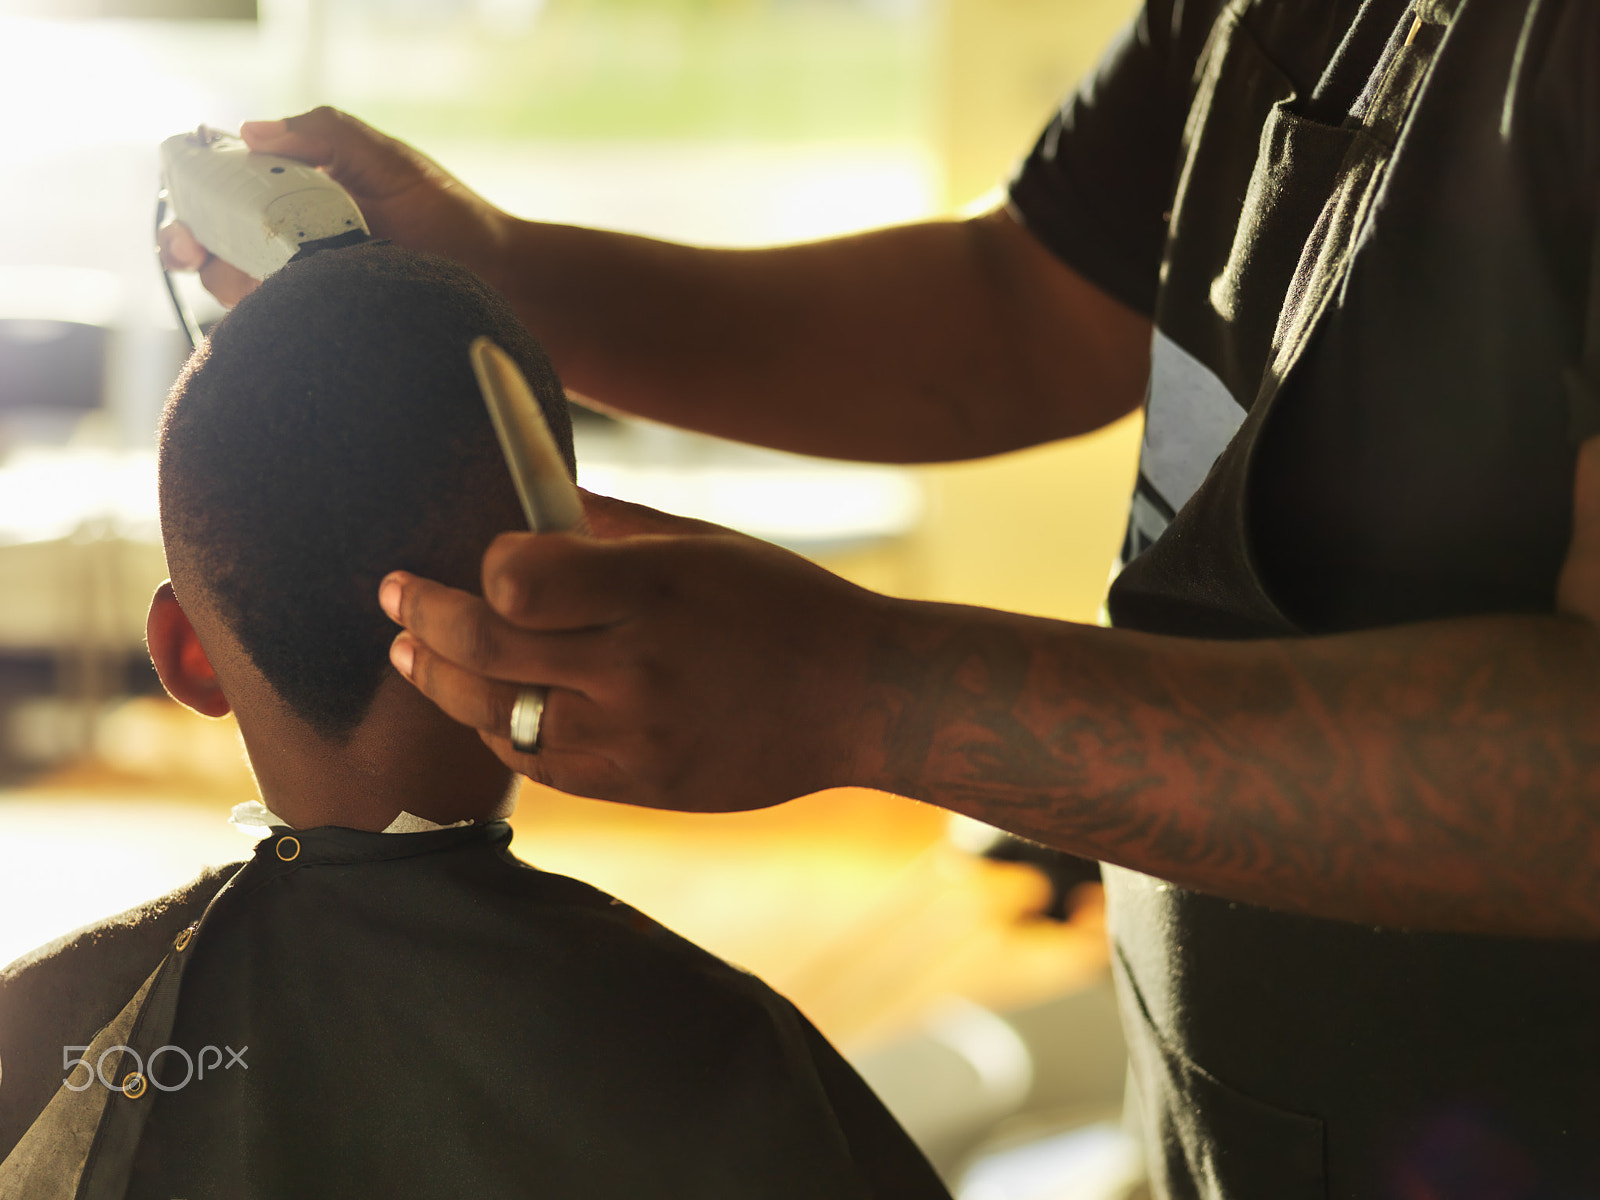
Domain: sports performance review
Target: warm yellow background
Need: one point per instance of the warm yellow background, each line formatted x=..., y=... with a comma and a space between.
x=852, y=902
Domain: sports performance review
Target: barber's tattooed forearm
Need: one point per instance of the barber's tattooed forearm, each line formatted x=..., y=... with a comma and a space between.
x=985, y=671
x=1444, y=775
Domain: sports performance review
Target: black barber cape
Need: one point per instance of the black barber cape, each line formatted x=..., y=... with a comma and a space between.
x=1363, y=230
x=423, y=1015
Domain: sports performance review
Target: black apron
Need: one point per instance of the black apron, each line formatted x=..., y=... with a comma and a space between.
x=1380, y=268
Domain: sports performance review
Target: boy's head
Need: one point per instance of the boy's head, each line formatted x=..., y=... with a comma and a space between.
x=330, y=431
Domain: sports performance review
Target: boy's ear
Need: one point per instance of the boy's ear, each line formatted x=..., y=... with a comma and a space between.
x=180, y=660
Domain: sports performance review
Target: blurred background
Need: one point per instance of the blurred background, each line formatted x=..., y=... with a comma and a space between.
x=970, y=987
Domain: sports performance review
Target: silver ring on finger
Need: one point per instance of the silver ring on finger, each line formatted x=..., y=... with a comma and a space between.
x=527, y=715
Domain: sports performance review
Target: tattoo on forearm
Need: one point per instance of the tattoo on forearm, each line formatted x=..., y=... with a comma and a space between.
x=1443, y=775
x=988, y=668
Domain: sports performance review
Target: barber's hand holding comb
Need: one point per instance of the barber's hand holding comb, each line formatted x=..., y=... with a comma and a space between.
x=689, y=667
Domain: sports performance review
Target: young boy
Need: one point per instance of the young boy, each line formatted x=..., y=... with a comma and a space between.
x=383, y=1001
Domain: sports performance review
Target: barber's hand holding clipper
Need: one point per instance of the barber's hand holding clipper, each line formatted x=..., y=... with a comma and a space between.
x=403, y=195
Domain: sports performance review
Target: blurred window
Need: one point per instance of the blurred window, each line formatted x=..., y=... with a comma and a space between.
x=51, y=365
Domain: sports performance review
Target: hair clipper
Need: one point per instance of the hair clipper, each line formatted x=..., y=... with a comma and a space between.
x=257, y=212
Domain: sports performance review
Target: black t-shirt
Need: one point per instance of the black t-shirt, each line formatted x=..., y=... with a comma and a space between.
x=1416, y=463
x=1363, y=232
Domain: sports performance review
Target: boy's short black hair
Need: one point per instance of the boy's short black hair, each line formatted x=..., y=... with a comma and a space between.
x=329, y=431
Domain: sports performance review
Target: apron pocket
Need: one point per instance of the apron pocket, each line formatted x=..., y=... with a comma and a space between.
x=1208, y=1141
x=1295, y=171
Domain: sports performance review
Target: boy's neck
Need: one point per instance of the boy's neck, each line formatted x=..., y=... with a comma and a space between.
x=405, y=756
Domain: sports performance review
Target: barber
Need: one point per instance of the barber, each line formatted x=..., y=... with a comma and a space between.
x=1343, y=742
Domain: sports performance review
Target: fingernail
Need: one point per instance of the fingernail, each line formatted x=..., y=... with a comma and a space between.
x=503, y=595
x=263, y=129
x=402, y=654
x=389, y=597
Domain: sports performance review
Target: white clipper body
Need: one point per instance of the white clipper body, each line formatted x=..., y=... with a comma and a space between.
x=253, y=211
